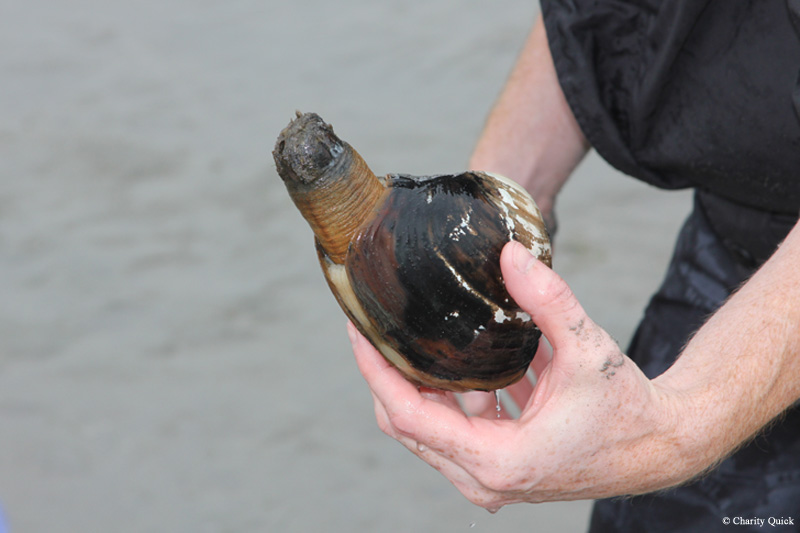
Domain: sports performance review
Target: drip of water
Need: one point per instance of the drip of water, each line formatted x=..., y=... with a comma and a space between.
x=497, y=400
x=421, y=447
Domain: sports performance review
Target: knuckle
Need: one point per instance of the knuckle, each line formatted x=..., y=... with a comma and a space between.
x=403, y=424
x=476, y=495
x=502, y=475
x=496, y=481
x=386, y=427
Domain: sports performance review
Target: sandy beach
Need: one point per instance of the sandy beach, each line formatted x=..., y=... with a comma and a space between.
x=170, y=356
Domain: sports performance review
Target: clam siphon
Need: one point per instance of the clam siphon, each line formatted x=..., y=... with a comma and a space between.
x=414, y=260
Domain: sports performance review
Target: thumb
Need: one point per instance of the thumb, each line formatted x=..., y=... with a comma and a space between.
x=543, y=294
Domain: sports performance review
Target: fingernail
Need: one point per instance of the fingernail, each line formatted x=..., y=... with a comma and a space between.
x=351, y=332
x=522, y=258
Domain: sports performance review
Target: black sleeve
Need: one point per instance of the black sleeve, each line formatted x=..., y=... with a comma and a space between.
x=687, y=93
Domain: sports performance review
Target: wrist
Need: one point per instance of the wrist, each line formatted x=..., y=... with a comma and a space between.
x=684, y=444
x=659, y=449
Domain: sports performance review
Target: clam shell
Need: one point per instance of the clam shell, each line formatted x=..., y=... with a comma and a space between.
x=421, y=279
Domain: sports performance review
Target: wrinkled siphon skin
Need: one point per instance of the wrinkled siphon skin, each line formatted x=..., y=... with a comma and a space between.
x=414, y=262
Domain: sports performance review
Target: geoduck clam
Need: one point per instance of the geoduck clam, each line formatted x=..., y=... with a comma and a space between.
x=414, y=261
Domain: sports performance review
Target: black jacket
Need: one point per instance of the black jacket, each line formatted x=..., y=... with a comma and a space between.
x=687, y=93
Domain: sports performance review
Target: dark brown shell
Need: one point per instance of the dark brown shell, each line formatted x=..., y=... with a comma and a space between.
x=421, y=278
x=422, y=281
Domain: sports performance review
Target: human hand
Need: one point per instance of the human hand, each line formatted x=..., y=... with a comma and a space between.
x=593, y=426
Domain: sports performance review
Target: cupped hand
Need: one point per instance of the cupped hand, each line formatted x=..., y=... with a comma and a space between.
x=592, y=426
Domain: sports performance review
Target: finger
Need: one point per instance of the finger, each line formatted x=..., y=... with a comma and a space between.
x=479, y=403
x=443, y=397
x=475, y=403
x=543, y=294
x=521, y=391
x=440, y=435
x=409, y=413
x=503, y=405
x=484, y=405
x=373, y=366
x=460, y=478
x=437, y=454
x=441, y=460
x=544, y=354
x=382, y=417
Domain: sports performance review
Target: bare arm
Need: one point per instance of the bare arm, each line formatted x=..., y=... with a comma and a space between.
x=531, y=135
x=742, y=368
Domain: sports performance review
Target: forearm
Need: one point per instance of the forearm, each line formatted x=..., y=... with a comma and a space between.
x=742, y=368
x=531, y=135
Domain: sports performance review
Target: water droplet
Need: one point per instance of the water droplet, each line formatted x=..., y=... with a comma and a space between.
x=493, y=510
x=497, y=407
x=421, y=447
x=472, y=525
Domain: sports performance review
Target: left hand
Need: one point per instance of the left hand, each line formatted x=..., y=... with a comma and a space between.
x=593, y=426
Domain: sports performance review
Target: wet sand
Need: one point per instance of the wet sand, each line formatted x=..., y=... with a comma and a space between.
x=170, y=356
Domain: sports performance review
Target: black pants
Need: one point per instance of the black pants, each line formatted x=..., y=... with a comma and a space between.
x=719, y=247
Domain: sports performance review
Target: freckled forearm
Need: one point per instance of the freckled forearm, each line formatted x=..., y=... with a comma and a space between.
x=742, y=368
